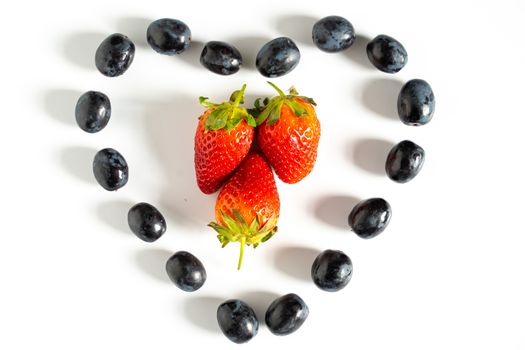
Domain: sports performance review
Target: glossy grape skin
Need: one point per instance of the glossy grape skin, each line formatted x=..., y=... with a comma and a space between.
x=237, y=321
x=110, y=169
x=333, y=34
x=114, y=55
x=146, y=222
x=93, y=111
x=277, y=57
x=221, y=58
x=387, y=54
x=168, y=36
x=404, y=161
x=370, y=217
x=186, y=271
x=332, y=270
x=286, y=314
x=416, y=103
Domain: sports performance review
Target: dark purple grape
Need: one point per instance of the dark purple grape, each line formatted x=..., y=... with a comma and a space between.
x=404, y=161
x=114, y=55
x=146, y=222
x=370, y=217
x=277, y=57
x=93, y=111
x=387, y=54
x=221, y=58
x=286, y=314
x=332, y=270
x=237, y=321
x=333, y=34
x=416, y=103
x=186, y=271
x=110, y=169
x=168, y=36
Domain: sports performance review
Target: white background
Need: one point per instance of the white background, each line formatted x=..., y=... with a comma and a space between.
x=448, y=273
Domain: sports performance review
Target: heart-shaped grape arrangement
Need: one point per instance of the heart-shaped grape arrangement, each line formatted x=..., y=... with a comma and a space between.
x=237, y=151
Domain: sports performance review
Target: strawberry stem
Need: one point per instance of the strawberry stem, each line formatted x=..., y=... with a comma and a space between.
x=279, y=91
x=234, y=228
x=241, y=254
x=227, y=115
x=239, y=97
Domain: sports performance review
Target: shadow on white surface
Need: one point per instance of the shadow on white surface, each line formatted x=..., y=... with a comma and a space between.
x=60, y=104
x=170, y=128
x=297, y=27
x=78, y=162
x=370, y=154
x=249, y=46
x=114, y=214
x=334, y=210
x=135, y=28
x=295, y=261
x=79, y=48
x=380, y=96
x=153, y=263
x=357, y=52
x=192, y=55
x=259, y=302
x=202, y=312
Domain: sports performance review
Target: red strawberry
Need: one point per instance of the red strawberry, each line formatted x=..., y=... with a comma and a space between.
x=223, y=138
x=288, y=134
x=247, y=208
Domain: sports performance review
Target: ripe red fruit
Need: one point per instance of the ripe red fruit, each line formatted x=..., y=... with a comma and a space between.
x=247, y=208
x=288, y=133
x=223, y=138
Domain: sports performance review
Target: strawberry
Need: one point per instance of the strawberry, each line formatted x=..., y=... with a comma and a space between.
x=247, y=208
x=223, y=138
x=288, y=134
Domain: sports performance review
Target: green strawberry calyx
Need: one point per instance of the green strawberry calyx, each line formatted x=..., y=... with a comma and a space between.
x=238, y=230
x=227, y=115
x=270, y=111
